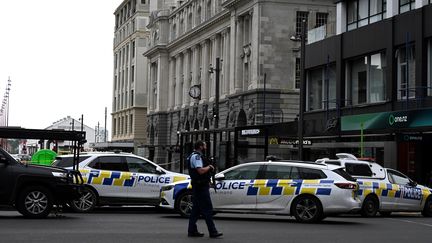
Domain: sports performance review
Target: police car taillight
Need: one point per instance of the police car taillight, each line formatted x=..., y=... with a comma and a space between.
x=346, y=185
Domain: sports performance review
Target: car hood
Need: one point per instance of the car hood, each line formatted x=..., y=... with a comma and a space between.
x=46, y=168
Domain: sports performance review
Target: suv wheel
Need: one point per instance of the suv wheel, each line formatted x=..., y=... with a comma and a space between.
x=35, y=202
x=86, y=202
x=184, y=204
x=307, y=209
x=427, y=211
x=370, y=207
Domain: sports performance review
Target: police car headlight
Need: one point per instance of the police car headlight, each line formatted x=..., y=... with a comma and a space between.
x=59, y=174
x=167, y=188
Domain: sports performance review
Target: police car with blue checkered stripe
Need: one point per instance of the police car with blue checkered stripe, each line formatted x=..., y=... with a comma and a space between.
x=308, y=191
x=384, y=190
x=118, y=179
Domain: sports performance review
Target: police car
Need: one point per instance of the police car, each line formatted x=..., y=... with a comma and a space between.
x=118, y=179
x=307, y=191
x=384, y=190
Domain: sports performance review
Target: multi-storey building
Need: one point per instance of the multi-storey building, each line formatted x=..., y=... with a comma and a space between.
x=369, y=88
x=257, y=43
x=129, y=107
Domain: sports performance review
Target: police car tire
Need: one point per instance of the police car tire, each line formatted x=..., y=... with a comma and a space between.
x=186, y=195
x=35, y=198
x=87, y=195
x=427, y=211
x=370, y=207
x=314, y=206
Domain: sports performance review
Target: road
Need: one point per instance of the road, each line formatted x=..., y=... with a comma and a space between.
x=137, y=224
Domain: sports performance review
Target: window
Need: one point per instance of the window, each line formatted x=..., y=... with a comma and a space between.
x=198, y=16
x=133, y=74
x=366, y=79
x=406, y=5
x=140, y=166
x=132, y=98
x=67, y=161
x=358, y=169
x=321, y=88
x=297, y=73
x=406, y=71
x=248, y=172
x=299, y=19
x=278, y=172
x=113, y=163
x=430, y=67
x=143, y=1
x=311, y=174
x=131, y=123
x=344, y=174
x=364, y=12
x=114, y=127
x=321, y=19
x=396, y=177
x=133, y=49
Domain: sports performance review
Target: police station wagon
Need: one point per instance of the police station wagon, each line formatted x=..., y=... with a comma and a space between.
x=118, y=179
x=307, y=191
x=384, y=190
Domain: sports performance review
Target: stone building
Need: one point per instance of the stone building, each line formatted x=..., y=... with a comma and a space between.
x=253, y=39
x=129, y=108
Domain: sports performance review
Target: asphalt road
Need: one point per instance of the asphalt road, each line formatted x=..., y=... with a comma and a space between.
x=147, y=225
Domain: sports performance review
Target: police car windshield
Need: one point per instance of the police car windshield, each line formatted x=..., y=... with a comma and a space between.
x=344, y=174
x=67, y=161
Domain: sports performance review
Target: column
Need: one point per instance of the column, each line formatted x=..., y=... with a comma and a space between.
x=150, y=84
x=204, y=65
x=171, y=93
x=238, y=72
x=178, y=89
x=187, y=77
x=226, y=63
x=194, y=69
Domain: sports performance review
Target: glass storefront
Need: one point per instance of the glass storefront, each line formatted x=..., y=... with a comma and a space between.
x=321, y=88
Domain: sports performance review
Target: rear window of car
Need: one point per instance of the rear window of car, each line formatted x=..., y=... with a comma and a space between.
x=358, y=169
x=311, y=174
x=67, y=161
x=344, y=174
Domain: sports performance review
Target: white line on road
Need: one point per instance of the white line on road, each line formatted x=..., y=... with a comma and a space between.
x=412, y=222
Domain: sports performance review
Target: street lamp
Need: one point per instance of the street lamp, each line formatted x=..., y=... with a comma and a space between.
x=216, y=70
x=302, y=86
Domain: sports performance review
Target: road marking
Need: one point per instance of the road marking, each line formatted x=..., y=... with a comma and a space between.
x=412, y=222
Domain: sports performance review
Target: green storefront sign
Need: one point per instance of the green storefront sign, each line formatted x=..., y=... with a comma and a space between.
x=387, y=120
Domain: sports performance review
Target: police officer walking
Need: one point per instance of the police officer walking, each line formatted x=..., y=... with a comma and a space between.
x=200, y=172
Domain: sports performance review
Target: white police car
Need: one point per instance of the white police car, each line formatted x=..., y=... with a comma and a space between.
x=384, y=190
x=118, y=179
x=307, y=191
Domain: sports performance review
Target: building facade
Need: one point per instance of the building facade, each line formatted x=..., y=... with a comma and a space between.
x=369, y=88
x=258, y=45
x=129, y=107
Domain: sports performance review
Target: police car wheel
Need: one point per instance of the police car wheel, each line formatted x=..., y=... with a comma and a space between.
x=86, y=202
x=35, y=202
x=184, y=204
x=370, y=207
x=307, y=209
x=427, y=211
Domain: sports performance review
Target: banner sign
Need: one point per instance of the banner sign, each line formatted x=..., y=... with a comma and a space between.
x=387, y=120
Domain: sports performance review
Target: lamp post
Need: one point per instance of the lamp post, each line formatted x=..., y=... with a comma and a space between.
x=302, y=88
x=216, y=70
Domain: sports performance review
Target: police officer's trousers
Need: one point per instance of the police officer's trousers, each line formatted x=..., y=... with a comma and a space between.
x=202, y=205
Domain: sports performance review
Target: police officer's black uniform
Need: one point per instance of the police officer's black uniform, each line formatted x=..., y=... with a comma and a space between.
x=201, y=198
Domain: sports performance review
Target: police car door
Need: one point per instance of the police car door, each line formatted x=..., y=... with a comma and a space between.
x=277, y=189
x=110, y=176
x=148, y=180
x=234, y=191
x=410, y=194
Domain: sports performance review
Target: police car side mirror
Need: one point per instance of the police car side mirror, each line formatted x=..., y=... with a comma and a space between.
x=159, y=171
x=219, y=177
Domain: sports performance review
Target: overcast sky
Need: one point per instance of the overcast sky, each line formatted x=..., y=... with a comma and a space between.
x=58, y=55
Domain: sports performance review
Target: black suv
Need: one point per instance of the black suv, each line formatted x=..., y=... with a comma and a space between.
x=34, y=190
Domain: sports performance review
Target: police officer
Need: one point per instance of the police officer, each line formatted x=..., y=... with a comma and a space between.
x=200, y=172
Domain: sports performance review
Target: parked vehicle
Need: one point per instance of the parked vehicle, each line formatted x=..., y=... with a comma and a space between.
x=307, y=191
x=118, y=179
x=384, y=190
x=34, y=190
